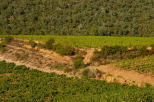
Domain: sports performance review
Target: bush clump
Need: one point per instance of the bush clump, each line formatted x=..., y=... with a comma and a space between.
x=142, y=49
x=61, y=66
x=111, y=50
x=2, y=46
x=108, y=51
x=64, y=50
x=66, y=69
x=78, y=62
x=91, y=73
x=7, y=40
x=97, y=55
x=32, y=43
x=111, y=53
x=4, y=42
x=50, y=43
x=85, y=73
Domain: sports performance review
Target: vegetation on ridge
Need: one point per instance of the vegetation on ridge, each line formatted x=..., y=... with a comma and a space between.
x=77, y=17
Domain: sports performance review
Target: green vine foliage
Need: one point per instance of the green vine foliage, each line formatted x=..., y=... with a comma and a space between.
x=18, y=83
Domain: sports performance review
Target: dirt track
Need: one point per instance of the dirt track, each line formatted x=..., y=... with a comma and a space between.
x=127, y=76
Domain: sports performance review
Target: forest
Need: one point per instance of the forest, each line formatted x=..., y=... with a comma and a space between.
x=77, y=17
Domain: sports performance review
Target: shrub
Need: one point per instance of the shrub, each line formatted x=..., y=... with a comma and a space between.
x=32, y=43
x=61, y=66
x=111, y=50
x=49, y=44
x=7, y=40
x=2, y=46
x=91, y=73
x=147, y=85
x=40, y=45
x=64, y=50
x=107, y=51
x=69, y=51
x=97, y=55
x=58, y=65
x=66, y=69
x=56, y=47
x=4, y=42
x=95, y=73
x=78, y=63
x=142, y=50
x=85, y=73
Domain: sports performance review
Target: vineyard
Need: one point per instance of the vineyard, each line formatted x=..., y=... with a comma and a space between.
x=19, y=84
x=90, y=41
x=76, y=50
x=141, y=64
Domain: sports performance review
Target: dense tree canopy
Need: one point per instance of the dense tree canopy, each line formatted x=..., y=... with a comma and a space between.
x=77, y=17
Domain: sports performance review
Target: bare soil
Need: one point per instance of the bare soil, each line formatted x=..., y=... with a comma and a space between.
x=127, y=76
x=89, y=55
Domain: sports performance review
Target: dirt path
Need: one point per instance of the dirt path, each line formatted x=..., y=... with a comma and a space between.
x=89, y=55
x=126, y=76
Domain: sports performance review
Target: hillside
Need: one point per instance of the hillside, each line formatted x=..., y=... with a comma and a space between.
x=77, y=17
